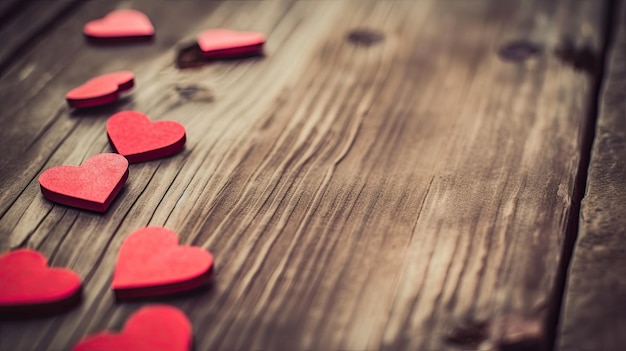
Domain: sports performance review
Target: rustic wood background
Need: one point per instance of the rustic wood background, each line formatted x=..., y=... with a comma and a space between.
x=397, y=175
x=594, y=315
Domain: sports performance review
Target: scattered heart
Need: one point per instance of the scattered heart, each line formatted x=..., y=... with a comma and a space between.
x=101, y=90
x=120, y=24
x=91, y=186
x=152, y=328
x=138, y=139
x=28, y=285
x=151, y=263
x=224, y=43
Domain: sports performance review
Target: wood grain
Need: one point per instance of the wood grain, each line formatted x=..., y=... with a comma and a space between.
x=26, y=21
x=594, y=316
x=406, y=193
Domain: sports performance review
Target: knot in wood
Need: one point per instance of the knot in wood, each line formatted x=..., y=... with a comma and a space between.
x=580, y=58
x=365, y=37
x=519, y=51
x=195, y=93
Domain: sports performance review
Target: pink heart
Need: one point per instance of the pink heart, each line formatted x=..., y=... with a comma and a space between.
x=138, y=139
x=120, y=24
x=151, y=263
x=91, y=186
x=101, y=90
x=218, y=43
x=153, y=328
x=26, y=282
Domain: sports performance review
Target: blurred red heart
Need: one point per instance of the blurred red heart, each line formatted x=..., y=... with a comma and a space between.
x=223, y=43
x=152, y=328
x=91, y=186
x=101, y=90
x=120, y=24
x=26, y=282
x=138, y=139
x=151, y=263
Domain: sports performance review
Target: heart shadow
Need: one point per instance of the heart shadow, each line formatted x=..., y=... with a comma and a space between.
x=191, y=56
x=42, y=311
x=103, y=110
x=201, y=291
x=125, y=41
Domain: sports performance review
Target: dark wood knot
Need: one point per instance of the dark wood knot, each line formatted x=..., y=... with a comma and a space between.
x=195, y=93
x=519, y=51
x=365, y=37
x=581, y=58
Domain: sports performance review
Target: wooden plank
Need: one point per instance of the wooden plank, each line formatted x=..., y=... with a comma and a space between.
x=594, y=315
x=24, y=22
x=9, y=7
x=399, y=187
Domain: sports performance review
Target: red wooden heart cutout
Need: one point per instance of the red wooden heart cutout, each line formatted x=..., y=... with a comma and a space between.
x=120, y=24
x=151, y=263
x=138, y=139
x=222, y=43
x=28, y=284
x=101, y=90
x=152, y=328
x=91, y=186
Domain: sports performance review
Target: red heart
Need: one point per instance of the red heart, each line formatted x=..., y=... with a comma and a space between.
x=120, y=24
x=91, y=186
x=153, y=328
x=151, y=263
x=138, y=139
x=101, y=90
x=27, y=283
x=221, y=43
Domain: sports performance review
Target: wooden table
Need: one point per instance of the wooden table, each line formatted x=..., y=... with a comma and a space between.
x=395, y=175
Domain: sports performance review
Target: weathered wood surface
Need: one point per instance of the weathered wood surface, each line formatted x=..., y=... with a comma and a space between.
x=26, y=21
x=411, y=194
x=594, y=316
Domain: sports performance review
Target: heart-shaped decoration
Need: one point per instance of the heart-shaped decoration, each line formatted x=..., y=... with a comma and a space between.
x=91, y=186
x=27, y=284
x=101, y=90
x=138, y=139
x=120, y=24
x=223, y=43
x=151, y=263
x=152, y=328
